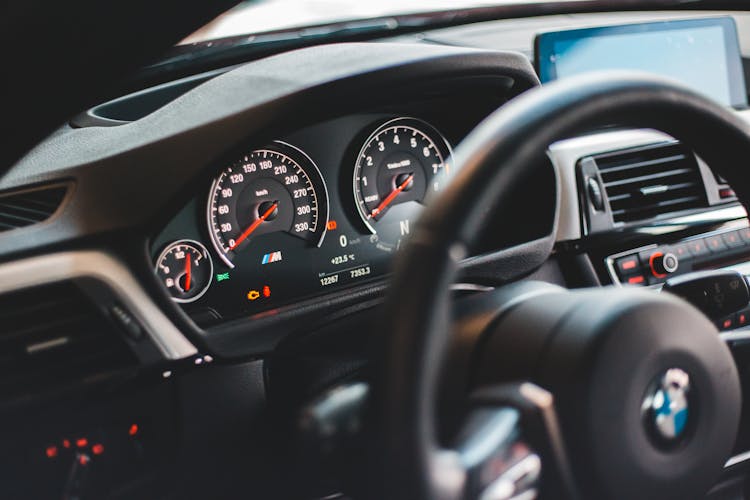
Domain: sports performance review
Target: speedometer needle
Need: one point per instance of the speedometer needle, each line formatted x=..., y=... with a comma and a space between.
x=392, y=196
x=188, y=270
x=254, y=225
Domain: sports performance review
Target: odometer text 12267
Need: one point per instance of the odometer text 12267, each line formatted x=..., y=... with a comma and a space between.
x=275, y=189
x=402, y=162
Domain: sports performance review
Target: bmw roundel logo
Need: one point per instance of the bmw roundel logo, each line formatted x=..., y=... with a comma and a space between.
x=666, y=406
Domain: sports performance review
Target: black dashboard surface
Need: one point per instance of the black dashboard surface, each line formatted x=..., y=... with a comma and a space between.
x=131, y=180
x=149, y=179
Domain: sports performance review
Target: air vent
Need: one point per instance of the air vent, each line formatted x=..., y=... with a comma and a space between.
x=24, y=208
x=52, y=336
x=651, y=182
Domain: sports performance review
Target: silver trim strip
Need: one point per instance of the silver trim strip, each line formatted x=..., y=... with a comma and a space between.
x=109, y=270
x=737, y=459
x=470, y=287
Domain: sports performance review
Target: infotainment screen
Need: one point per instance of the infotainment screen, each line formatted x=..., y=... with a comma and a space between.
x=701, y=53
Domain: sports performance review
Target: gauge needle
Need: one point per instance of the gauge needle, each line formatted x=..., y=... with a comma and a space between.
x=392, y=196
x=254, y=226
x=188, y=272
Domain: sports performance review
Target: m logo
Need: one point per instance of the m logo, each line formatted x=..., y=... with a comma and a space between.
x=271, y=257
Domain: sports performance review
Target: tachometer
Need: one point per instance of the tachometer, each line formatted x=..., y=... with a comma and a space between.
x=276, y=189
x=401, y=162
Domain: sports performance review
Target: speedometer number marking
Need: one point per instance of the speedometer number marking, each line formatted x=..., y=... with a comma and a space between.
x=277, y=189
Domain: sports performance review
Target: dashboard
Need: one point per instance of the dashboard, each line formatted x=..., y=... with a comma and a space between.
x=254, y=214
x=322, y=209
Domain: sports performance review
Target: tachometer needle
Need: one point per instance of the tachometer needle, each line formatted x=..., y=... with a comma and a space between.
x=188, y=272
x=254, y=226
x=392, y=196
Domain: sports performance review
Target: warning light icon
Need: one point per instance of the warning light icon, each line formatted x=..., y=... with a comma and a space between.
x=264, y=293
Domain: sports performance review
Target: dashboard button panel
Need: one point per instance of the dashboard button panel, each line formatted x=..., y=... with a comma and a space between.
x=719, y=250
x=653, y=264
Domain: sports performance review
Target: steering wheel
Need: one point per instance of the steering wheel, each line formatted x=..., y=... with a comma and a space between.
x=623, y=393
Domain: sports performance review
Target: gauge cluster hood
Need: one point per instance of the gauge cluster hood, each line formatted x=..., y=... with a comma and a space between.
x=174, y=145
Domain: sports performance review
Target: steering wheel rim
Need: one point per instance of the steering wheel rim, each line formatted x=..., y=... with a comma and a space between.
x=416, y=324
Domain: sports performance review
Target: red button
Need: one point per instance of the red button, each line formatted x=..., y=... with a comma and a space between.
x=636, y=280
x=741, y=319
x=627, y=265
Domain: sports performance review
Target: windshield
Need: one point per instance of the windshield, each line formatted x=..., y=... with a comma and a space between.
x=268, y=15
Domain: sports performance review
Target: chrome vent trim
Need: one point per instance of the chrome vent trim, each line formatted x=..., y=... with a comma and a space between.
x=651, y=182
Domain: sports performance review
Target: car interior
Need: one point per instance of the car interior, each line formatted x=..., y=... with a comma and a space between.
x=460, y=250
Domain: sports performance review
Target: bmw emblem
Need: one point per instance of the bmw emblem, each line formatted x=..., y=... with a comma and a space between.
x=666, y=406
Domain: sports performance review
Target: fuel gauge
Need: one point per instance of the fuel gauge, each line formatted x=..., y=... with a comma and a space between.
x=185, y=269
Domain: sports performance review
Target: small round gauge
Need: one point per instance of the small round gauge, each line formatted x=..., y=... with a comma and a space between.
x=186, y=270
x=401, y=162
x=276, y=189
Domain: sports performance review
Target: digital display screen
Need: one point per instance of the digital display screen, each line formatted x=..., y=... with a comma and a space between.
x=701, y=53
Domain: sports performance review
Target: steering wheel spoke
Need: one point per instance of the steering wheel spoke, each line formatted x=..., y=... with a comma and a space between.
x=510, y=439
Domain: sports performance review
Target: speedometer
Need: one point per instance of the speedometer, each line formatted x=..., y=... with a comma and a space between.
x=276, y=189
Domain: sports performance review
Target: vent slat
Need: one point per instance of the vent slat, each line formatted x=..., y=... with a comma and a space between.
x=656, y=206
x=651, y=182
x=24, y=208
x=667, y=188
x=40, y=212
x=18, y=220
x=641, y=164
x=646, y=178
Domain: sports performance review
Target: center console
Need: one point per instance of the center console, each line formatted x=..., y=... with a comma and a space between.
x=652, y=265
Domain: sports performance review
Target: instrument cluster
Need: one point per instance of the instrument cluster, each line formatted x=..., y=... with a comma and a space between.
x=294, y=218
